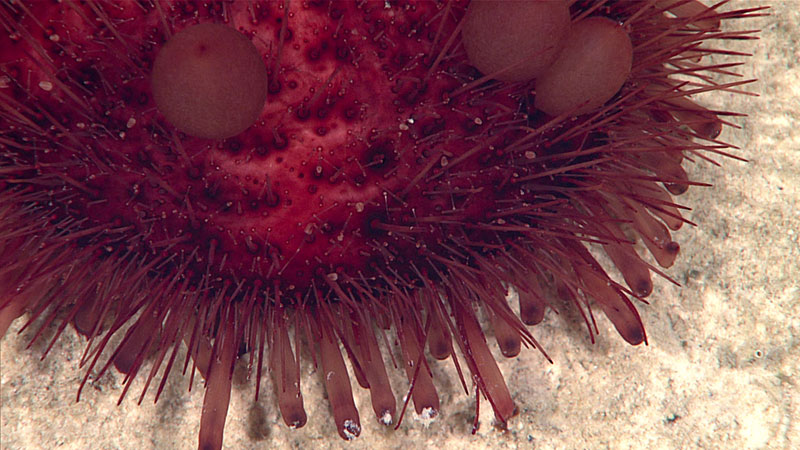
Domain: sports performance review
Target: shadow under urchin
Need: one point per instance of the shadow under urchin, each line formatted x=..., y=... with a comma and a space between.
x=379, y=196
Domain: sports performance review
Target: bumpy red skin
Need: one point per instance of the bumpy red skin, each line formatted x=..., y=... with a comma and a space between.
x=292, y=197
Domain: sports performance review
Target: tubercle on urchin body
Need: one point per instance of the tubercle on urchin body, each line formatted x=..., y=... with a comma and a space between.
x=381, y=189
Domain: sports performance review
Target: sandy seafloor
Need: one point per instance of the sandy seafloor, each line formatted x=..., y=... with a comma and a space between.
x=720, y=371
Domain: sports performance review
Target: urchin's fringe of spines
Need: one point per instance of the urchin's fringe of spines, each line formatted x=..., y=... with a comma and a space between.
x=463, y=288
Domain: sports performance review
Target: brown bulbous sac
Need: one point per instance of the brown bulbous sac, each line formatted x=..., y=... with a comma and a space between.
x=209, y=81
x=592, y=67
x=514, y=40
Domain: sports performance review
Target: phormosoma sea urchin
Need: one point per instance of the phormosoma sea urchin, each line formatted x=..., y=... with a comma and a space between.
x=345, y=180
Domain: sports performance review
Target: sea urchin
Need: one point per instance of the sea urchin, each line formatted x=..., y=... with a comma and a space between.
x=348, y=177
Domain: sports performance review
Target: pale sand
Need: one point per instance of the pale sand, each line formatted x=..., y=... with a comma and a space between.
x=721, y=370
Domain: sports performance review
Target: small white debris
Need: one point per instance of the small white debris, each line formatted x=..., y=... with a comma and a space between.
x=351, y=429
x=131, y=123
x=46, y=86
x=427, y=416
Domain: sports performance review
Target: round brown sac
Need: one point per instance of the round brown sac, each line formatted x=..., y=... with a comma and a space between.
x=514, y=40
x=209, y=81
x=591, y=69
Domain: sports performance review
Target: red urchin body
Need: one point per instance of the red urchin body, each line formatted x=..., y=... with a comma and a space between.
x=383, y=200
